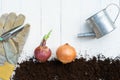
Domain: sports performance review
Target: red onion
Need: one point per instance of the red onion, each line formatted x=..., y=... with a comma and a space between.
x=42, y=52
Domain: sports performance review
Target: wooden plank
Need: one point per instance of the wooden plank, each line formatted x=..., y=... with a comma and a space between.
x=73, y=21
x=0, y=5
x=51, y=20
x=11, y=6
x=31, y=9
x=67, y=19
x=113, y=40
x=112, y=10
x=74, y=14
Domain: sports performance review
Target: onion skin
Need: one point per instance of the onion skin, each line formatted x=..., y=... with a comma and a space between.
x=42, y=53
x=66, y=53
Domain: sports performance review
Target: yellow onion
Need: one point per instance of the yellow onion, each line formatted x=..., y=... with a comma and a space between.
x=66, y=53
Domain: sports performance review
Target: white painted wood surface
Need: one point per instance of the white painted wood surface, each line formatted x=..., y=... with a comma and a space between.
x=66, y=18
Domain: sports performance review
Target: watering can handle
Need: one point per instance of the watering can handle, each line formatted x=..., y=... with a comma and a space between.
x=118, y=10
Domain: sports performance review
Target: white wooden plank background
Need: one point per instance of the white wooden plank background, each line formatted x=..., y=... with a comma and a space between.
x=66, y=18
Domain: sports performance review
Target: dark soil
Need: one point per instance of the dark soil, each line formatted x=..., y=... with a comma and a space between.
x=80, y=69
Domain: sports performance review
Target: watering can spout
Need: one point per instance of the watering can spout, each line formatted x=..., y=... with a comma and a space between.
x=89, y=34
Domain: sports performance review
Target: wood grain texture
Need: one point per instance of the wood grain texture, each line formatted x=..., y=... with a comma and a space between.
x=67, y=19
x=51, y=20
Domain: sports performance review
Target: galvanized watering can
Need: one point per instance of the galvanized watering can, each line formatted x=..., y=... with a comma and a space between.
x=101, y=23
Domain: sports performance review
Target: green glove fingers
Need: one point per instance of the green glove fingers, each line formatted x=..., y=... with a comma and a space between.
x=12, y=48
x=10, y=22
x=21, y=37
x=2, y=59
x=8, y=51
x=14, y=44
x=19, y=20
x=2, y=22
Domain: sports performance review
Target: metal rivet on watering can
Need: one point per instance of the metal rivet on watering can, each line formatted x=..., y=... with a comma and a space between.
x=101, y=23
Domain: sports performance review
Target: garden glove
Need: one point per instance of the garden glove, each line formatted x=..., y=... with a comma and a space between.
x=10, y=49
